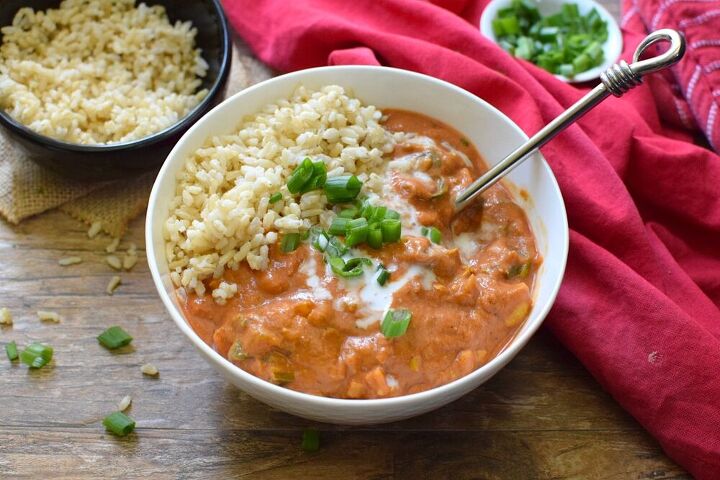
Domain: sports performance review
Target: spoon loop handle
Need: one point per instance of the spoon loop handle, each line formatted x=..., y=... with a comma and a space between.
x=616, y=80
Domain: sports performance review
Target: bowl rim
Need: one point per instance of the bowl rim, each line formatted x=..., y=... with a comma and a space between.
x=485, y=27
x=17, y=128
x=352, y=405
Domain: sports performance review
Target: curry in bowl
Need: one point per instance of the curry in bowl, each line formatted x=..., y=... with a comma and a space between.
x=317, y=247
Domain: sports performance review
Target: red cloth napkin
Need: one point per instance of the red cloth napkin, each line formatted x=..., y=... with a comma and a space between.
x=639, y=303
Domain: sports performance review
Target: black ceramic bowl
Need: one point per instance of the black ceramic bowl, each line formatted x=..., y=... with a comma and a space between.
x=106, y=162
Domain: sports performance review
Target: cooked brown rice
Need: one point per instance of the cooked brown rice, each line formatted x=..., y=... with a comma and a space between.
x=99, y=71
x=129, y=261
x=114, y=261
x=67, y=261
x=46, y=316
x=5, y=317
x=149, y=369
x=113, y=284
x=221, y=215
x=94, y=229
x=112, y=246
x=125, y=403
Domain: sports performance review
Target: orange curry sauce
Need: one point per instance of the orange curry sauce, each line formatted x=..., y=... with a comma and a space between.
x=298, y=325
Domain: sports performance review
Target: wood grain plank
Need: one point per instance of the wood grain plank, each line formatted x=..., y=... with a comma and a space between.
x=350, y=454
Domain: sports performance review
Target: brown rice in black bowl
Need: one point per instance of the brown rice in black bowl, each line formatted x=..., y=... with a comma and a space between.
x=101, y=89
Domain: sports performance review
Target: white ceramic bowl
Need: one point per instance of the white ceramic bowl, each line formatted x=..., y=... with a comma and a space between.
x=612, y=46
x=493, y=134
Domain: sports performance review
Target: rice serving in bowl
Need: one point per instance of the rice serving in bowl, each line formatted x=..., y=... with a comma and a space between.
x=99, y=71
x=221, y=214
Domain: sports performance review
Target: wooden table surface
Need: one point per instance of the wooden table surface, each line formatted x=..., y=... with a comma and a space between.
x=542, y=417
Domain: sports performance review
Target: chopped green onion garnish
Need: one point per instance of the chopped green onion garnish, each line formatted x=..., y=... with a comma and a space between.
x=318, y=239
x=566, y=70
x=356, y=232
x=383, y=275
x=391, y=230
x=275, y=197
x=432, y=233
x=318, y=178
x=356, y=223
x=392, y=215
x=11, y=351
x=351, y=268
x=300, y=176
x=36, y=355
x=311, y=440
x=342, y=189
x=570, y=10
x=336, y=248
x=337, y=265
x=375, y=236
x=290, y=242
x=350, y=212
x=339, y=226
x=119, y=424
x=367, y=211
x=581, y=63
x=378, y=215
x=114, y=337
x=358, y=262
x=395, y=323
x=565, y=43
x=363, y=222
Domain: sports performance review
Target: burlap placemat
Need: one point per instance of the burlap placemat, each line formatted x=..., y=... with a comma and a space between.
x=27, y=189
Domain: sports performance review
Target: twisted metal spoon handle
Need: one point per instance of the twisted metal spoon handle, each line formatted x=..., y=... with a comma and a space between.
x=616, y=80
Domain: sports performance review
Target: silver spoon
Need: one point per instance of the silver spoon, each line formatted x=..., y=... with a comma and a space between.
x=616, y=80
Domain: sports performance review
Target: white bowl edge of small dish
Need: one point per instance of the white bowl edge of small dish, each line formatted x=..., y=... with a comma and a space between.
x=383, y=87
x=612, y=48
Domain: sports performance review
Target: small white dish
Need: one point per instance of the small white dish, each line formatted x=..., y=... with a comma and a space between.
x=494, y=135
x=612, y=47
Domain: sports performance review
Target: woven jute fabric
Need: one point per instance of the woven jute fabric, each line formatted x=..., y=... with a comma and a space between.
x=27, y=189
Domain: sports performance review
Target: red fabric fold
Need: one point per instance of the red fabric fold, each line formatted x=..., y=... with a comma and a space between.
x=694, y=85
x=639, y=303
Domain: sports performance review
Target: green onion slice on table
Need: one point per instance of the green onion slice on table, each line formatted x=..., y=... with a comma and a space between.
x=114, y=337
x=311, y=440
x=11, y=351
x=36, y=355
x=119, y=424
